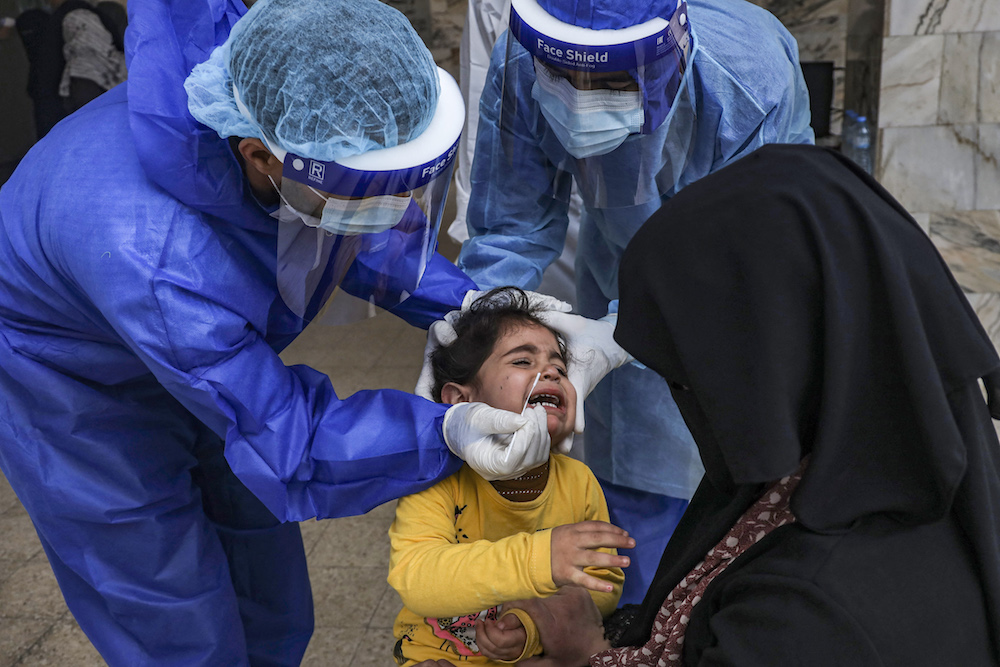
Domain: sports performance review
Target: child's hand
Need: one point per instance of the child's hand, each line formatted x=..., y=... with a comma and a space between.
x=501, y=641
x=574, y=548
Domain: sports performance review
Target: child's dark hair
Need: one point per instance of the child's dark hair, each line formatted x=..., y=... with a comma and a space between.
x=476, y=332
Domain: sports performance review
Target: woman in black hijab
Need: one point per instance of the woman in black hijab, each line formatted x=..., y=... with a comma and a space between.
x=828, y=367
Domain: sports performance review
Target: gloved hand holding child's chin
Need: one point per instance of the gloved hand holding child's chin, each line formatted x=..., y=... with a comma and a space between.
x=497, y=444
x=593, y=352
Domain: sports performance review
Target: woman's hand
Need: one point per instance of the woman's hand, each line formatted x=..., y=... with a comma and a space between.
x=501, y=641
x=569, y=626
x=574, y=547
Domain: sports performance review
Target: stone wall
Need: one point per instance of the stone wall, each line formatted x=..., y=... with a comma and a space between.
x=939, y=127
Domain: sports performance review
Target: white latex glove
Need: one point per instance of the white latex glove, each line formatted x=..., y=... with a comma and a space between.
x=565, y=446
x=497, y=444
x=443, y=333
x=593, y=352
x=438, y=334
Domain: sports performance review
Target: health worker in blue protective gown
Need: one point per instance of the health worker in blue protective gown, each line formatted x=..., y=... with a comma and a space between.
x=632, y=100
x=160, y=247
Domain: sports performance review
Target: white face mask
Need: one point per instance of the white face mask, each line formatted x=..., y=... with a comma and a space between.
x=587, y=122
x=369, y=215
x=347, y=217
x=288, y=213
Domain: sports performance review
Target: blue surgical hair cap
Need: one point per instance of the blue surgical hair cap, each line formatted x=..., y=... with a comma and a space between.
x=321, y=78
x=608, y=14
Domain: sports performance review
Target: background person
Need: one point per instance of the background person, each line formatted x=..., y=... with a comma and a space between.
x=74, y=54
x=93, y=50
x=663, y=94
x=46, y=106
x=828, y=365
x=485, y=21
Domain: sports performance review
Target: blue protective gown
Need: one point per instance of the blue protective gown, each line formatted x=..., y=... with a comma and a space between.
x=140, y=326
x=743, y=89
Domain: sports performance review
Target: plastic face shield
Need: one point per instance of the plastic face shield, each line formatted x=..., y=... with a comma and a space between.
x=358, y=232
x=600, y=92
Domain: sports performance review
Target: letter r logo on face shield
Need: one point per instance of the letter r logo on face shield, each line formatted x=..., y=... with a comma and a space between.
x=317, y=170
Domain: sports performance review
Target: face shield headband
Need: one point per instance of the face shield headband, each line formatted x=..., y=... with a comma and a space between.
x=365, y=223
x=655, y=53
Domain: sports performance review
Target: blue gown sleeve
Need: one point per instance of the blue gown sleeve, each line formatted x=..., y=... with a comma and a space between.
x=384, y=273
x=441, y=290
x=518, y=208
x=194, y=313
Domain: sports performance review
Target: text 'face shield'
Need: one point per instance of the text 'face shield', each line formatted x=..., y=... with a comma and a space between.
x=600, y=92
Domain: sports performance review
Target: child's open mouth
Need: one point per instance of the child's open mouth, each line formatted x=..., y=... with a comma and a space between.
x=547, y=400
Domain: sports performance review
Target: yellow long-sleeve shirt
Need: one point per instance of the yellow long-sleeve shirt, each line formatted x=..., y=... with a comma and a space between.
x=459, y=550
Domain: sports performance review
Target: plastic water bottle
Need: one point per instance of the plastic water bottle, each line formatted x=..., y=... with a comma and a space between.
x=858, y=142
x=863, y=143
x=848, y=129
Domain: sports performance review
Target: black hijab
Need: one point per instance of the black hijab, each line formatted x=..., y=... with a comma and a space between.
x=796, y=309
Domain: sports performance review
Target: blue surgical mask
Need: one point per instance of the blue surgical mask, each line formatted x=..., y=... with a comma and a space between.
x=587, y=122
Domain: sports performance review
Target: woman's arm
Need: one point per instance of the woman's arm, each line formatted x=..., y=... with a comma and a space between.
x=569, y=625
x=752, y=619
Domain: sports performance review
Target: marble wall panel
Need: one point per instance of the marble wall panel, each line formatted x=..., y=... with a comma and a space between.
x=930, y=168
x=861, y=88
x=863, y=70
x=837, y=113
x=819, y=26
x=987, y=307
x=797, y=13
x=419, y=13
x=968, y=242
x=948, y=168
x=911, y=80
x=446, y=35
x=959, y=98
x=865, y=28
x=989, y=78
x=924, y=220
x=988, y=167
x=822, y=41
x=925, y=17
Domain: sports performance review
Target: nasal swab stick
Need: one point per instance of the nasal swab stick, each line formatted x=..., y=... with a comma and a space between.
x=533, y=385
